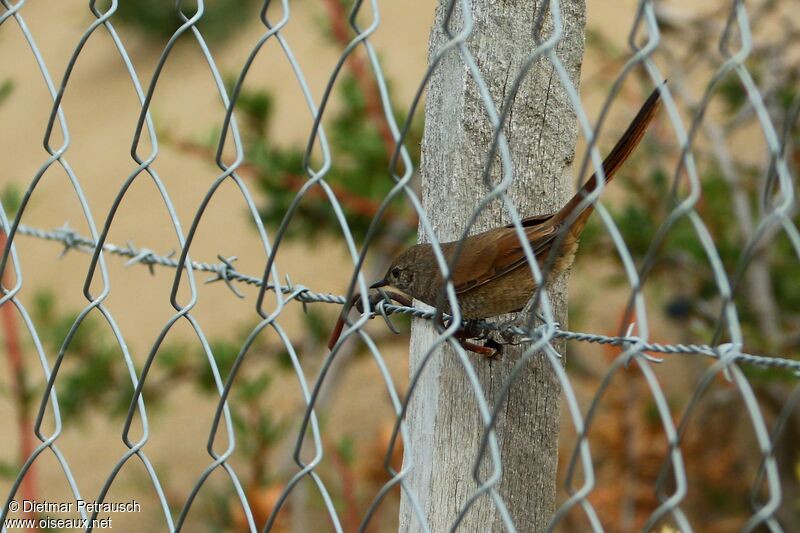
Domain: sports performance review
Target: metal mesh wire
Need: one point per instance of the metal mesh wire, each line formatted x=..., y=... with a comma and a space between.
x=725, y=358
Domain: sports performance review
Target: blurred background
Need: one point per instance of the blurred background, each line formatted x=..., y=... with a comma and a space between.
x=94, y=389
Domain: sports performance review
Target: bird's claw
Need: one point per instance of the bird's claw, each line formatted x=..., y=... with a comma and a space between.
x=491, y=349
x=471, y=330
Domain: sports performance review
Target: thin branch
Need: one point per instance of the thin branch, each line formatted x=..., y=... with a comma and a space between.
x=19, y=388
x=337, y=18
x=352, y=202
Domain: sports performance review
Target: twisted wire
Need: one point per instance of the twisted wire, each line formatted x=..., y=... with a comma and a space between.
x=224, y=271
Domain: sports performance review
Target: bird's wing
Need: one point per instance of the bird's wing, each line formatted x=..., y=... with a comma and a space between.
x=497, y=252
x=531, y=221
x=474, y=269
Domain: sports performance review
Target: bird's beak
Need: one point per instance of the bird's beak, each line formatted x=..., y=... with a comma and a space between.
x=379, y=284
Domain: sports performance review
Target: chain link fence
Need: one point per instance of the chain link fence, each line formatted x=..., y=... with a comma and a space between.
x=746, y=343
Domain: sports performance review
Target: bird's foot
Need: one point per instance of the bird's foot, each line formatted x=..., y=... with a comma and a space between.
x=490, y=350
x=522, y=326
x=471, y=331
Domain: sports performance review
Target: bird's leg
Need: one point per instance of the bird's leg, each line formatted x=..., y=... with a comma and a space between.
x=504, y=327
x=469, y=331
x=490, y=351
x=504, y=336
x=523, y=321
x=472, y=330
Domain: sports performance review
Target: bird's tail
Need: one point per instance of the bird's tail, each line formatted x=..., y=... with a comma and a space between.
x=618, y=155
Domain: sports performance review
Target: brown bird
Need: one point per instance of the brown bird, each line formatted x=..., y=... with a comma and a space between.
x=492, y=276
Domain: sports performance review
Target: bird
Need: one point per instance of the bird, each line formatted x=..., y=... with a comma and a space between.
x=491, y=274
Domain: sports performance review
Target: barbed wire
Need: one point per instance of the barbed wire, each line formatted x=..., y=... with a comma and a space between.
x=224, y=271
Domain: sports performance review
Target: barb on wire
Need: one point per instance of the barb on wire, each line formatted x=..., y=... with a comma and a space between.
x=224, y=271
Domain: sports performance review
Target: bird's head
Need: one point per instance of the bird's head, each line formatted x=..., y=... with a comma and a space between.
x=414, y=272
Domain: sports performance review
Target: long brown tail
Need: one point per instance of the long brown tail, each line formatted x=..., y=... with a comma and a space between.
x=617, y=157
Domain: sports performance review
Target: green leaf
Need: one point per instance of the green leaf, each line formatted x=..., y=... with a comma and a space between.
x=6, y=88
x=11, y=199
x=253, y=388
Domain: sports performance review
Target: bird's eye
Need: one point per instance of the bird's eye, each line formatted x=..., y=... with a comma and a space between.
x=396, y=272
